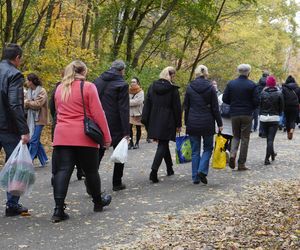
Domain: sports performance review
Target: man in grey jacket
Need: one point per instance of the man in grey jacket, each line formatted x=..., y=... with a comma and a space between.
x=13, y=125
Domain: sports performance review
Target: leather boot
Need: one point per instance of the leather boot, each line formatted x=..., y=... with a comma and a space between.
x=170, y=171
x=59, y=214
x=105, y=201
x=153, y=176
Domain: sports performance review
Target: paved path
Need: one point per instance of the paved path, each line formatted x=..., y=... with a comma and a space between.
x=141, y=203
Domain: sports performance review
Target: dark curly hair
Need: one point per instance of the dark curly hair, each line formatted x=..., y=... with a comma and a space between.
x=34, y=79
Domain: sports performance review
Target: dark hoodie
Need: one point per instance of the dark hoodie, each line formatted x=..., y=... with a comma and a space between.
x=291, y=94
x=262, y=83
x=162, y=110
x=114, y=97
x=201, y=108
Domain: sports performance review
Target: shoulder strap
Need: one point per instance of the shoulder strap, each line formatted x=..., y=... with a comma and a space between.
x=81, y=90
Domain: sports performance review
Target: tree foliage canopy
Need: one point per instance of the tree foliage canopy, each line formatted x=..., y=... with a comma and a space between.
x=151, y=34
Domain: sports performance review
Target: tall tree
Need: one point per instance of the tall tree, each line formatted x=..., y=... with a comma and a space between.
x=45, y=34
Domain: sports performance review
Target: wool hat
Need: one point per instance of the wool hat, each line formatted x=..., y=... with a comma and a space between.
x=271, y=81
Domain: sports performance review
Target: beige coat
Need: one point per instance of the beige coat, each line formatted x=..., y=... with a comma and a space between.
x=40, y=103
x=136, y=103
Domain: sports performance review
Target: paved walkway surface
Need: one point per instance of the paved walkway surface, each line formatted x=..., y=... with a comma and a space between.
x=141, y=203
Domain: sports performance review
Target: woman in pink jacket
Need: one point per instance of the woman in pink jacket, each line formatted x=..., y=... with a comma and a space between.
x=71, y=145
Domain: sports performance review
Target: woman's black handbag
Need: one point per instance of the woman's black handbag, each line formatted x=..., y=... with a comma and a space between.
x=91, y=129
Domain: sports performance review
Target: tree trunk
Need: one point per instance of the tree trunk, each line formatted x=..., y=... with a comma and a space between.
x=120, y=35
x=47, y=25
x=86, y=25
x=9, y=21
x=185, y=46
x=30, y=34
x=96, y=35
x=19, y=22
x=150, y=34
x=196, y=61
x=58, y=14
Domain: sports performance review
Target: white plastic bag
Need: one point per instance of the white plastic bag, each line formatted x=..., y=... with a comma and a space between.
x=120, y=153
x=17, y=176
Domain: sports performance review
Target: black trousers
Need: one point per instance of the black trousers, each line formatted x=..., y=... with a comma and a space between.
x=64, y=158
x=162, y=152
x=138, y=133
x=270, y=129
x=291, y=114
x=118, y=168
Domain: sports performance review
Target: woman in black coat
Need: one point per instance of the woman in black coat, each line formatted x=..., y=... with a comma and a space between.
x=201, y=112
x=271, y=106
x=162, y=118
x=291, y=94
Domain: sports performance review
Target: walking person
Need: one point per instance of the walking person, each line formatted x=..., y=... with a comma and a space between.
x=261, y=85
x=242, y=97
x=291, y=94
x=271, y=105
x=162, y=118
x=136, y=103
x=201, y=112
x=71, y=145
x=13, y=125
x=80, y=174
x=114, y=96
x=36, y=104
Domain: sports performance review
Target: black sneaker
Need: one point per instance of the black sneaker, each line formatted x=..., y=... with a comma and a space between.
x=105, y=201
x=170, y=171
x=196, y=182
x=59, y=214
x=153, y=177
x=232, y=163
x=119, y=188
x=14, y=211
x=267, y=162
x=273, y=156
x=202, y=177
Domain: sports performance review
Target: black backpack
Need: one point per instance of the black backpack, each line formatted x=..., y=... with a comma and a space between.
x=225, y=110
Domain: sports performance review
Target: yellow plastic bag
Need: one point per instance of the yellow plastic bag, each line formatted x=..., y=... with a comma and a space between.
x=219, y=154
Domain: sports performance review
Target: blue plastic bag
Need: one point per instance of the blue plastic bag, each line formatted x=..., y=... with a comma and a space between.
x=183, y=149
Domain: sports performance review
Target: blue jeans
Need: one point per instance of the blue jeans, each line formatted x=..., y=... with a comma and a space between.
x=8, y=143
x=200, y=163
x=36, y=148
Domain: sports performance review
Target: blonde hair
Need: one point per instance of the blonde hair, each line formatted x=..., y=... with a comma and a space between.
x=165, y=73
x=201, y=70
x=74, y=68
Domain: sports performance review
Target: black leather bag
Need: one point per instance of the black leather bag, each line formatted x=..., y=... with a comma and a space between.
x=91, y=129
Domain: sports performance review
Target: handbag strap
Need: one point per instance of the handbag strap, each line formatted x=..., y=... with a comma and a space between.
x=81, y=90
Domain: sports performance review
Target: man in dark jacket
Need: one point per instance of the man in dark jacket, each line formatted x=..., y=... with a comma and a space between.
x=13, y=125
x=114, y=96
x=242, y=97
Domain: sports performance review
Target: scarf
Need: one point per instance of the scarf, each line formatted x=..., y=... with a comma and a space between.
x=135, y=90
x=33, y=114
